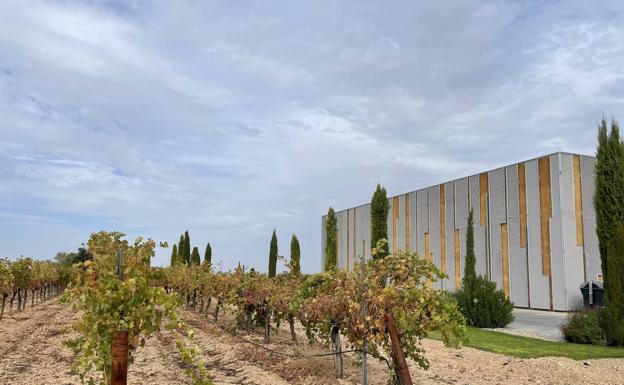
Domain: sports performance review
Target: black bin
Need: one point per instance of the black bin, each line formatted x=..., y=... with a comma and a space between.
x=597, y=293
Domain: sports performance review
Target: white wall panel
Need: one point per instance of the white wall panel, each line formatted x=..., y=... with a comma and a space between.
x=519, y=285
x=540, y=291
x=434, y=227
x=573, y=253
x=556, y=238
x=449, y=213
x=479, y=231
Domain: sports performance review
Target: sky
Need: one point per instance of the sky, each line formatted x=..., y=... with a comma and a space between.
x=233, y=118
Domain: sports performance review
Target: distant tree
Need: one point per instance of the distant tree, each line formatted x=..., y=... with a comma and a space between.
x=379, y=220
x=187, y=248
x=208, y=254
x=331, y=240
x=470, y=272
x=68, y=259
x=174, y=255
x=181, y=245
x=295, y=256
x=273, y=255
x=195, y=258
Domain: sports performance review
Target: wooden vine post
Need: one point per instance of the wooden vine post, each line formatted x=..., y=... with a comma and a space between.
x=119, y=345
x=397, y=353
x=119, y=364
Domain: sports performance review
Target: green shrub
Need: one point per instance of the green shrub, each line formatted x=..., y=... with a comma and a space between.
x=612, y=322
x=583, y=327
x=483, y=305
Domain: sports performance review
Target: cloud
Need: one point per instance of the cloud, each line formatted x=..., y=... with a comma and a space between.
x=232, y=119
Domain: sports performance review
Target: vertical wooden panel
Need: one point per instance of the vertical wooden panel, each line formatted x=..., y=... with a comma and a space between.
x=522, y=204
x=395, y=217
x=442, y=229
x=364, y=249
x=505, y=257
x=545, y=194
x=407, y=222
x=457, y=247
x=483, y=191
x=545, y=211
x=578, y=202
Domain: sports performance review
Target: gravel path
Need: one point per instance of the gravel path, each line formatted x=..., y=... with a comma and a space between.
x=31, y=352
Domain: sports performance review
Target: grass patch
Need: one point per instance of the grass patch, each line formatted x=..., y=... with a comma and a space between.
x=525, y=347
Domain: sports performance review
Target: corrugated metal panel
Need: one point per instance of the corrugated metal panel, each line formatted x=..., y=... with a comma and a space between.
x=497, y=216
x=540, y=297
x=357, y=242
x=342, y=239
x=434, y=228
x=558, y=272
x=365, y=228
x=401, y=224
x=449, y=283
x=588, y=183
x=517, y=256
x=479, y=231
x=413, y=232
x=573, y=254
x=422, y=215
x=461, y=215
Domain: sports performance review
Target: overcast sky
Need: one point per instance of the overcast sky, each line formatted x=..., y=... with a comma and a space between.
x=233, y=118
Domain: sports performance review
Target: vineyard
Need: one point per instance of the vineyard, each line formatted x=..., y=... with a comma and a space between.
x=24, y=276
x=194, y=325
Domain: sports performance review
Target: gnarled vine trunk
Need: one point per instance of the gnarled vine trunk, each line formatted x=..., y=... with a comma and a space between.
x=291, y=323
x=337, y=348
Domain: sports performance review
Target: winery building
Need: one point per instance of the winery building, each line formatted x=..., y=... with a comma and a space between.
x=534, y=229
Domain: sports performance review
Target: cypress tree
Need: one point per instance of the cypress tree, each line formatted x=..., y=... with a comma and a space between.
x=181, y=245
x=174, y=255
x=195, y=259
x=613, y=315
x=187, y=248
x=470, y=272
x=273, y=255
x=609, y=198
x=379, y=220
x=208, y=254
x=295, y=256
x=331, y=241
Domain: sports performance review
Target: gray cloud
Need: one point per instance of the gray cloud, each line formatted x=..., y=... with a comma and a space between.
x=234, y=118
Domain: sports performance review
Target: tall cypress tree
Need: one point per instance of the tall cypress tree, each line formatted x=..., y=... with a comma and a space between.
x=174, y=255
x=187, y=248
x=181, y=245
x=609, y=196
x=613, y=315
x=295, y=256
x=609, y=204
x=331, y=241
x=470, y=272
x=195, y=258
x=379, y=220
x=208, y=254
x=273, y=255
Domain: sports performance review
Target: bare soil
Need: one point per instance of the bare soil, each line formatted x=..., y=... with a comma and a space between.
x=31, y=352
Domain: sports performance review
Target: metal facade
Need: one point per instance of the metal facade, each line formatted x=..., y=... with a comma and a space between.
x=541, y=268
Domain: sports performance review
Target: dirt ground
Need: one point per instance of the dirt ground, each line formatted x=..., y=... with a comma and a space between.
x=31, y=352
